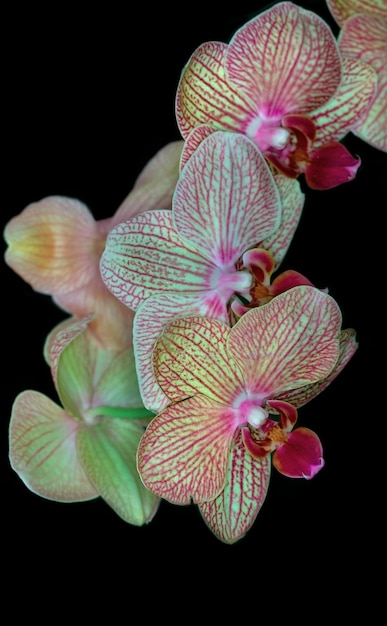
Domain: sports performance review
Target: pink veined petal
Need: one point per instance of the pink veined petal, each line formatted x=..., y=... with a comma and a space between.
x=289, y=342
x=349, y=104
x=193, y=141
x=372, y=128
x=301, y=456
x=285, y=59
x=154, y=187
x=151, y=317
x=343, y=9
x=183, y=453
x=226, y=200
x=293, y=200
x=51, y=244
x=42, y=449
x=348, y=347
x=204, y=94
x=231, y=515
x=330, y=166
x=365, y=38
x=146, y=255
x=108, y=452
x=190, y=357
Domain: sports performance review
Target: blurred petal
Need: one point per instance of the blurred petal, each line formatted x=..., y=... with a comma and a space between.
x=226, y=200
x=291, y=341
x=112, y=321
x=233, y=512
x=145, y=255
x=286, y=59
x=301, y=456
x=184, y=451
x=52, y=244
x=155, y=185
x=205, y=95
x=88, y=376
x=349, y=104
x=348, y=347
x=42, y=449
x=330, y=166
x=190, y=357
x=108, y=452
x=59, y=337
x=343, y=9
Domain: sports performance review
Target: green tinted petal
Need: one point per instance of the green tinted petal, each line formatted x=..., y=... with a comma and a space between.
x=108, y=453
x=42, y=449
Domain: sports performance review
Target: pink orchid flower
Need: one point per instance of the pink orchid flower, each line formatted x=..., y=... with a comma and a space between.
x=165, y=264
x=85, y=448
x=211, y=444
x=363, y=36
x=282, y=82
x=55, y=245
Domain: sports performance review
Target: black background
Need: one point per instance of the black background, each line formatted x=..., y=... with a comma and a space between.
x=89, y=99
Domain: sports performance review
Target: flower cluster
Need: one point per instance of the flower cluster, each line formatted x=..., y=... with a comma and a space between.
x=187, y=350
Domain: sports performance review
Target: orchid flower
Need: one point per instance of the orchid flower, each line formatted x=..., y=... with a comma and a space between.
x=282, y=82
x=363, y=36
x=85, y=448
x=166, y=264
x=55, y=245
x=226, y=386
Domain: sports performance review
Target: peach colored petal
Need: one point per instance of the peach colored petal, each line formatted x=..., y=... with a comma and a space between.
x=52, y=244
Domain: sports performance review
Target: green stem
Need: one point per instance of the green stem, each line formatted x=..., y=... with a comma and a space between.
x=126, y=413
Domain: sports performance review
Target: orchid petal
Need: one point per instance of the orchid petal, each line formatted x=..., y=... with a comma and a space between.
x=291, y=341
x=303, y=395
x=108, y=452
x=184, y=451
x=60, y=336
x=193, y=141
x=226, y=200
x=51, y=244
x=349, y=104
x=190, y=357
x=343, y=9
x=293, y=200
x=233, y=512
x=42, y=444
x=151, y=317
x=365, y=38
x=87, y=375
x=205, y=95
x=145, y=255
x=330, y=166
x=301, y=456
x=154, y=187
x=286, y=59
